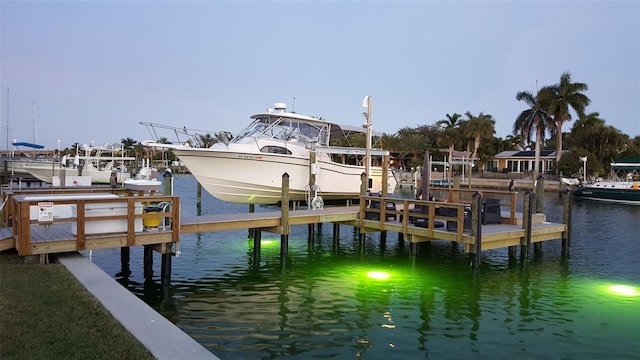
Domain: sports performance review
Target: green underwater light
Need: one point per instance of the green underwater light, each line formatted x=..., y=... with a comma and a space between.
x=378, y=275
x=624, y=290
x=267, y=243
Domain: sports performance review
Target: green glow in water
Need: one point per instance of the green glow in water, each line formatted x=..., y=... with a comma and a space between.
x=623, y=290
x=378, y=275
x=268, y=243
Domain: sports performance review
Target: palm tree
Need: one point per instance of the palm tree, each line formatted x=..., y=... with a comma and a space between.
x=534, y=120
x=128, y=144
x=478, y=128
x=450, y=134
x=514, y=141
x=559, y=98
x=206, y=140
x=481, y=127
x=413, y=144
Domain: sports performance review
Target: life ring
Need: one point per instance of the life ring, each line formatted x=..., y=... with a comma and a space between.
x=317, y=203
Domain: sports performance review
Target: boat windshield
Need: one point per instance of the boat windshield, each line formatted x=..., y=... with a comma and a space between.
x=286, y=129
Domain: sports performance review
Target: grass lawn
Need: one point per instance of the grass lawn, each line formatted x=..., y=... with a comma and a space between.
x=45, y=313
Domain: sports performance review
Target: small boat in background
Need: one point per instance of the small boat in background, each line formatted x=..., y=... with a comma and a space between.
x=623, y=187
x=94, y=163
x=145, y=180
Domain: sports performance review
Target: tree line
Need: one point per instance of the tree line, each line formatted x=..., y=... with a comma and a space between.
x=539, y=127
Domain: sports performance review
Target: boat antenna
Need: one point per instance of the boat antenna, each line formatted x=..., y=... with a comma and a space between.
x=293, y=106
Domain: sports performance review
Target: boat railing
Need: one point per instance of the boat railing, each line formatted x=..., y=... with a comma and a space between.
x=183, y=135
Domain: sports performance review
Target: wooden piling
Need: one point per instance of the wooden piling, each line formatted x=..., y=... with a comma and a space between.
x=257, y=241
x=539, y=194
x=165, y=271
x=537, y=247
x=199, y=199
x=167, y=183
x=252, y=209
x=566, y=219
x=527, y=215
x=125, y=256
x=336, y=232
x=313, y=170
x=385, y=175
x=363, y=203
x=284, y=208
x=476, y=228
x=148, y=261
x=311, y=233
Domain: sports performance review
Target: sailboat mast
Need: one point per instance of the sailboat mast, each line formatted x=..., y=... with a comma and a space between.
x=34, y=121
x=7, y=131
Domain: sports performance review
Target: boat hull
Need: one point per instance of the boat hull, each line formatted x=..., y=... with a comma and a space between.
x=46, y=174
x=257, y=178
x=625, y=193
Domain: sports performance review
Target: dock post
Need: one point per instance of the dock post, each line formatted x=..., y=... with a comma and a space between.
x=125, y=256
x=336, y=232
x=385, y=175
x=148, y=262
x=526, y=224
x=311, y=230
x=476, y=226
x=165, y=273
x=252, y=209
x=560, y=186
x=413, y=248
x=284, y=221
x=537, y=247
x=257, y=241
x=364, y=186
x=455, y=195
x=566, y=219
x=199, y=199
x=167, y=183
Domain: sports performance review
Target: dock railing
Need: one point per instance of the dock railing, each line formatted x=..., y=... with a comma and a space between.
x=508, y=199
x=8, y=194
x=94, y=223
x=406, y=209
x=388, y=209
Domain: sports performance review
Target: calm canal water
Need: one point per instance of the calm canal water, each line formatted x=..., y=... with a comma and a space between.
x=321, y=303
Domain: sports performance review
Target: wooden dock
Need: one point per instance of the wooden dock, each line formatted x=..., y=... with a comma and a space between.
x=40, y=236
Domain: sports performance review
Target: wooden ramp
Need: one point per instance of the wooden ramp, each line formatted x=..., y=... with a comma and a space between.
x=266, y=220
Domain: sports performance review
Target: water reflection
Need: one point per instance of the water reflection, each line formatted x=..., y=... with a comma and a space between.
x=318, y=302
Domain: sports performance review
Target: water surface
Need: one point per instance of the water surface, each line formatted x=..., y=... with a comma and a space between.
x=321, y=302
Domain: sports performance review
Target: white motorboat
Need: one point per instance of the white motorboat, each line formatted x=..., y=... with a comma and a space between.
x=248, y=168
x=93, y=164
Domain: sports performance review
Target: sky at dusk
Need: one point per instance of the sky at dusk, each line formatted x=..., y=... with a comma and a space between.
x=95, y=69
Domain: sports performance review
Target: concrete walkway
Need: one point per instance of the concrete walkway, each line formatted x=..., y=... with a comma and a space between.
x=160, y=336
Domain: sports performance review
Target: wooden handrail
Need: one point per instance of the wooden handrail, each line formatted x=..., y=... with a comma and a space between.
x=22, y=219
